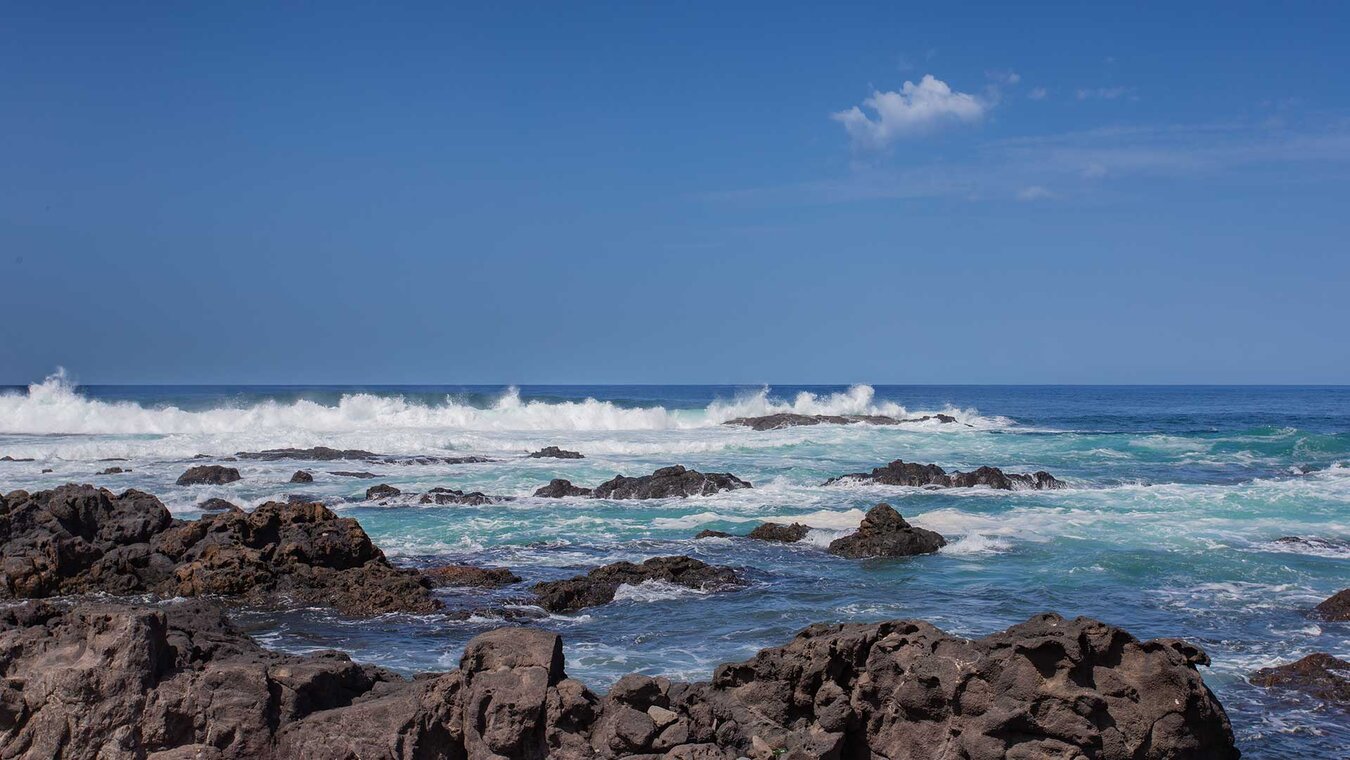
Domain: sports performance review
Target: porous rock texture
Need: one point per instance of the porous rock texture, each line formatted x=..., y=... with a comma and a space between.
x=100, y=681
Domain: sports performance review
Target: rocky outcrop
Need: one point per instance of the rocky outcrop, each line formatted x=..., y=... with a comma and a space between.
x=326, y=454
x=711, y=534
x=788, y=419
x=553, y=452
x=382, y=491
x=301, y=476
x=559, y=488
x=440, y=495
x=902, y=473
x=80, y=539
x=1325, y=677
x=100, y=681
x=471, y=576
x=113, y=471
x=785, y=534
x=354, y=474
x=600, y=585
x=884, y=533
x=208, y=474
x=217, y=505
x=1335, y=607
x=8, y=458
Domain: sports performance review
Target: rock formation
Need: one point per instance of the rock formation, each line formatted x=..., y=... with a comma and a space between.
x=553, y=452
x=301, y=476
x=471, y=576
x=559, y=488
x=208, y=474
x=665, y=483
x=1335, y=607
x=599, y=585
x=902, y=473
x=786, y=534
x=884, y=533
x=1324, y=677
x=382, y=491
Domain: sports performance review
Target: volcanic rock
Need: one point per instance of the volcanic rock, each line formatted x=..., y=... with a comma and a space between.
x=1335, y=607
x=668, y=482
x=455, y=496
x=113, y=471
x=711, y=534
x=218, y=505
x=553, y=452
x=559, y=488
x=884, y=533
x=382, y=491
x=599, y=585
x=469, y=575
x=786, y=534
x=1325, y=677
x=354, y=474
x=301, y=476
x=902, y=473
x=208, y=474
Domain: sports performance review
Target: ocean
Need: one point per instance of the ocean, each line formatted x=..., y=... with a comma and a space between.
x=1169, y=527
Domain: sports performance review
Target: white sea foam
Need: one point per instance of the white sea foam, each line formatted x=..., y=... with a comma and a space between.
x=653, y=591
x=976, y=543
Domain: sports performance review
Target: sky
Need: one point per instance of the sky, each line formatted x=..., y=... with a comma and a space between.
x=675, y=193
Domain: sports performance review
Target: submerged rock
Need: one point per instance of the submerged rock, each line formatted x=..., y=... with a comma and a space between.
x=902, y=473
x=1325, y=677
x=301, y=476
x=469, y=575
x=113, y=471
x=208, y=474
x=553, y=452
x=1335, y=607
x=787, y=534
x=559, y=488
x=382, y=491
x=455, y=496
x=354, y=474
x=789, y=419
x=884, y=533
x=599, y=585
x=711, y=534
x=81, y=539
x=99, y=680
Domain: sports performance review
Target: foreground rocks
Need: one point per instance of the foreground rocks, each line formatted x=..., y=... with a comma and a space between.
x=1320, y=675
x=208, y=474
x=81, y=539
x=553, y=452
x=665, y=483
x=902, y=473
x=1335, y=608
x=884, y=533
x=100, y=681
x=788, y=419
x=600, y=585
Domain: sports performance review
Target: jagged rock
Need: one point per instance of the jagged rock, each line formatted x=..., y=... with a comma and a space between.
x=208, y=474
x=1325, y=677
x=789, y=419
x=113, y=471
x=354, y=474
x=599, y=585
x=218, y=505
x=301, y=476
x=884, y=533
x=455, y=496
x=559, y=488
x=668, y=482
x=902, y=473
x=1335, y=607
x=382, y=491
x=785, y=534
x=553, y=452
x=79, y=539
x=469, y=575
x=100, y=680
x=711, y=534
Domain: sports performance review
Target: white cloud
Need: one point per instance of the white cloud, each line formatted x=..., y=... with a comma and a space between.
x=913, y=109
x=1034, y=193
x=1004, y=77
x=1038, y=93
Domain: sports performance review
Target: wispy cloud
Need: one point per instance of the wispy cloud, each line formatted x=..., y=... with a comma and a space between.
x=912, y=110
x=1034, y=193
x=1104, y=93
x=1038, y=93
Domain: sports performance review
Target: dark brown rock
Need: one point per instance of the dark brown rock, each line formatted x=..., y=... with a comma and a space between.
x=354, y=474
x=902, y=473
x=301, y=476
x=113, y=471
x=1335, y=607
x=786, y=534
x=208, y=474
x=668, y=482
x=456, y=496
x=1325, y=677
x=218, y=505
x=599, y=585
x=884, y=533
x=559, y=488
x=712, y=534
x=469, y=575
x=382, y=491
x=8, y=458
x=553, y=452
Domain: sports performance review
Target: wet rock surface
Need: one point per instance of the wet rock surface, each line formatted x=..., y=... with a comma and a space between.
x=559, y=488
x=471, y=576
x=1320, y=675
x=382, y=491
x=786, y=534
x=712, y=534
x=81, y=539
x=902, y=473
x=102, y=680
x=884, y=533
x=665, y=483
x=208, y=474
x=301, y=476
x=553, y=452
x=455, y=496
x=600, y=585
x=1335, y=607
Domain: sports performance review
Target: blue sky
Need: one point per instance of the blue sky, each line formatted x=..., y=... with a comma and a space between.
x=1142, y=193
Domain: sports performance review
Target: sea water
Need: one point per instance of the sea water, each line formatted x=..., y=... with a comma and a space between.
x=1177, y=496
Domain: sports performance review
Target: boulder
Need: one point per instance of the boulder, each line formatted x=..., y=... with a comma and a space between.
x=1324, y=677
x=668, y=482
x=884, y=533
x=382, y=491
x=786, y=534
x=599, y=585
x=902, y=473
x=553, y=452
x=208, y=474
x=559, y=488
x=1335, y=607
x=471, y=576
x=301, y=476
x=218, y=505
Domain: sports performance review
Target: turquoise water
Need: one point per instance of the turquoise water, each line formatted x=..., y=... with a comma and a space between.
x=1168, y=529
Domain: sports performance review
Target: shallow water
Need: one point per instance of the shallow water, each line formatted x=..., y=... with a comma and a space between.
x=1169, y=528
